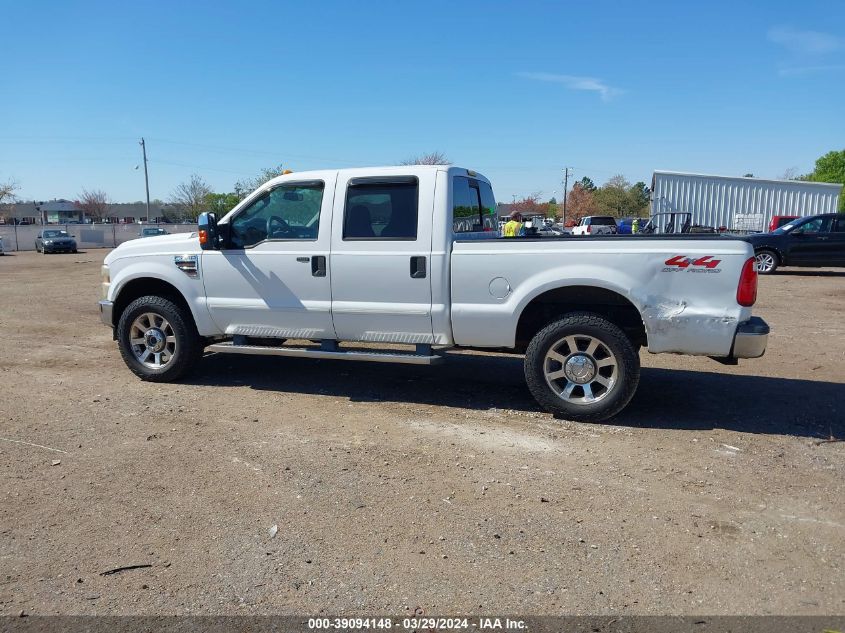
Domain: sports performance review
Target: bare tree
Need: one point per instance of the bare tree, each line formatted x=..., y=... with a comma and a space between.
x=94, y=203
x=431, y=158
x=248, y=185
x=529, y=205
x=7, y=191
x=790, y=174
x=190, y=197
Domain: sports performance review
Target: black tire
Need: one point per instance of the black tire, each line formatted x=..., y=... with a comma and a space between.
x=613, y=344
x=767, y=261
x=188, y=343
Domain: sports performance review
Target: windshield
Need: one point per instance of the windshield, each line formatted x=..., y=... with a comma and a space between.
x=56, y=234
x=806, y=225
x=786, y=228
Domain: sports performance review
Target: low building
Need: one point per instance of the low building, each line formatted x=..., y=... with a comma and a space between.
x=739, y=204
x=61, y=211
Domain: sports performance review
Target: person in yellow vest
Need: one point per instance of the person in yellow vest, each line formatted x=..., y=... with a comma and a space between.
x=635, y=226
x=514, y=227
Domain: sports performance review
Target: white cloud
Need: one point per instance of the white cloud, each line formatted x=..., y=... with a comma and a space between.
x=576, y=83
x=805, y=42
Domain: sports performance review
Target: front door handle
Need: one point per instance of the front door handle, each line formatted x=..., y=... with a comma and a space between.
x=418, y=268
x=318, y=266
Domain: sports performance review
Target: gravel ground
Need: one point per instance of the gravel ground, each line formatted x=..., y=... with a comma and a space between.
x=400, y=487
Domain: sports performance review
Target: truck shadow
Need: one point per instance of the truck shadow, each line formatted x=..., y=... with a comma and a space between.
x=666, y=399
x=805, y=272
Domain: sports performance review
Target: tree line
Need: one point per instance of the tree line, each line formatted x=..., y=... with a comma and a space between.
x=617, y=197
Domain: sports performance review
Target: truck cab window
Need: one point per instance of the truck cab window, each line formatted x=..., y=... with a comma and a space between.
x=473, y=206
x=381, y=211
x=466, y=207
x=287, y=212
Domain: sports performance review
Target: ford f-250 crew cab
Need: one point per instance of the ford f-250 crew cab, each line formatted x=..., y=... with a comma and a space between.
x=312, y=263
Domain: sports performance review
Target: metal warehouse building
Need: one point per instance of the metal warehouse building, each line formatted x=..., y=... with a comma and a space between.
x=739, y=204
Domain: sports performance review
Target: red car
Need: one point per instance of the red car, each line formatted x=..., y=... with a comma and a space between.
x=779, y=220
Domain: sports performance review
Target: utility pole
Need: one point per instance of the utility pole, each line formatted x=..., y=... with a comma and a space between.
x=146, y=177
x=565, y=191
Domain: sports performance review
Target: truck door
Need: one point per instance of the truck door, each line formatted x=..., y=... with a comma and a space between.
x=272, y=279
x=836, y=245
x=808, y=243
x=381, y=256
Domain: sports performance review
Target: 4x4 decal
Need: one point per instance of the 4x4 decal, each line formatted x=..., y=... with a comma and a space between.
x=680, y=263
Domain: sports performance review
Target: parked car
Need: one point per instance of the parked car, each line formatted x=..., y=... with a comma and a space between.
x=152, y=231
x=595, y=225
x=364, y=263
x=813, y=241
x=624, y=226
x=779, y=220
x=55, y=241
x=2, y=250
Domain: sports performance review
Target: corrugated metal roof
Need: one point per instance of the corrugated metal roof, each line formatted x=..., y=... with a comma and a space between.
x=835, y=185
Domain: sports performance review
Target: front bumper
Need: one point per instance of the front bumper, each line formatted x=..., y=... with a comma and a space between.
x=106, y=308
x=750, y=339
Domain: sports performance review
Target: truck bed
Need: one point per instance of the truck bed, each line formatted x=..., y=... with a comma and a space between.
x=686, y=302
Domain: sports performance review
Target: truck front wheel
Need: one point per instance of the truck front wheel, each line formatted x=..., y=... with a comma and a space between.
x=582, y=367
x=158, y=339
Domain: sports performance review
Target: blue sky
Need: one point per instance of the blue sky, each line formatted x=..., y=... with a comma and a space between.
x=514, y=90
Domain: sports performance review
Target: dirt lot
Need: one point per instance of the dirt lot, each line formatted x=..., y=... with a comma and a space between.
x=397, y=487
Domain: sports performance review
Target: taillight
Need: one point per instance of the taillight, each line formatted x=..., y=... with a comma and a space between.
x=589, y=229
x=746, y=291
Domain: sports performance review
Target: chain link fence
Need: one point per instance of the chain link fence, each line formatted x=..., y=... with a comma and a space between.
x=22, y=237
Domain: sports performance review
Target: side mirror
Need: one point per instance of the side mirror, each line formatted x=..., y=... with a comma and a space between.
x=207, y=225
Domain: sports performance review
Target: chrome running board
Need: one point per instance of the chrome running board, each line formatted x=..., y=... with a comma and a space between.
x=338, y=354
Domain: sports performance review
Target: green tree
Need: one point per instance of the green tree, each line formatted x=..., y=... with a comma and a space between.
x=587, y=184
x=831, y=168
x=221, y=203
x=640, y=198
x=618, y=197
x=613, y=198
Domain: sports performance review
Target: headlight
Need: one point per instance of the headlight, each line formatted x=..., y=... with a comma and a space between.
x=48, y=241
x=104, y=287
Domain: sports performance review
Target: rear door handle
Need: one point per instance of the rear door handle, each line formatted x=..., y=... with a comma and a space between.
x=318, y=266
x=418, y=268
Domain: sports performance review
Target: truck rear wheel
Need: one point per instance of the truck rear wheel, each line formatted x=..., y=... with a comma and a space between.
x=582, y=367
x=158, y=339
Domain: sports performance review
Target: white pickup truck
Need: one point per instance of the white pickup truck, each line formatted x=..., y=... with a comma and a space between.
x=408, y=260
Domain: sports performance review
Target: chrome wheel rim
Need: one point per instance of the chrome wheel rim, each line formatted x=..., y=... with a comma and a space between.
x=580, y=369
x=153, y=340
x=765, y=262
